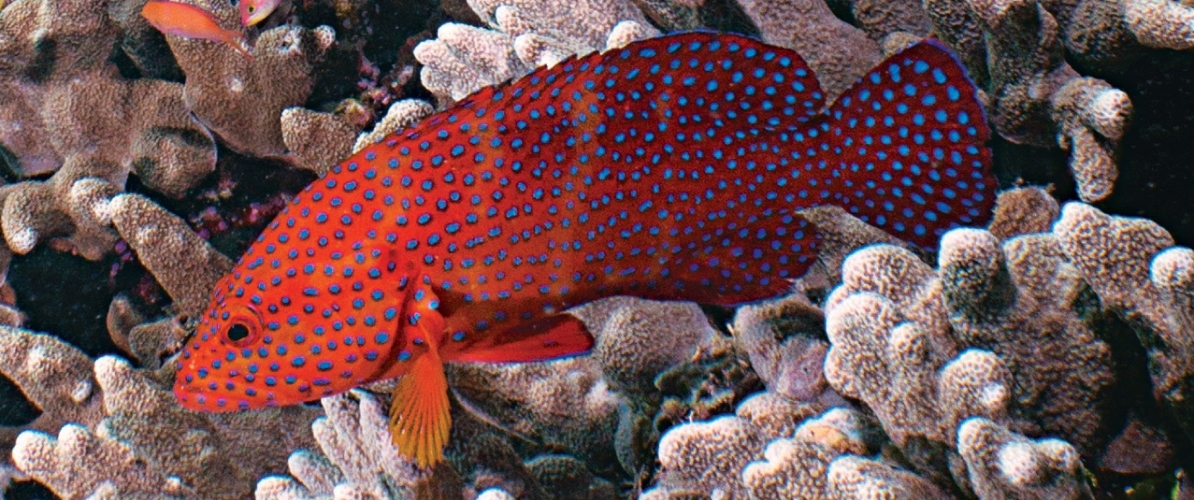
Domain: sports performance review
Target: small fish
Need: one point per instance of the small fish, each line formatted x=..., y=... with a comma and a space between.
x=671, y=169
x=255, y=11
x=188, y=21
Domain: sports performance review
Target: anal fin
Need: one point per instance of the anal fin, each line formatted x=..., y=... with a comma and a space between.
x=555, y=336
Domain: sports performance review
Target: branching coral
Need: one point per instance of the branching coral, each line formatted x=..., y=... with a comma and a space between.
x=642, y=339
x=1003, y=464
x=1038, y=96
x=785, y=342
x=729, y=457
x=131, y=438
x=358, y=459
x=837, y=52
x=1134, y=267
x=185, y=265
x=241, y=100
x=565, y=405
x=65, y=108
x=525, y=34
x=60, y=96
x=997, y=333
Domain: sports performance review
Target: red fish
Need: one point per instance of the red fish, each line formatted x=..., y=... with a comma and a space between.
x=189, y=21
x=670, y=169
x=255, y=11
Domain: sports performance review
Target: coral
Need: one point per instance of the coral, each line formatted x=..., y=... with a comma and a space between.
x=494, y=494
x=1112, y=35
x=183, y=263
x=131, y=439
x=708, y=456
x=1160, y=24
x=240, y=99
x=791, y=468
x=993, y=300
x=400, y=115
x=316, y=140
x=1134, y=267
x=728, y=457
x=896, y=329
x=64, y=108
x=784, y=340
x=773, y=415
x=1037, y=98
x=61, y=96
x=838, y=53
x=881, y=18
x=358, y=459
x=567, y=478
x=564, y=405
x=1003, y=464
x=855, y=477
x=54, y=376
x=841, y=234
x=642, y=339
x=61, y=463
x=1091, y=117
x=1003, y=335
x=1021, y=211
x=526, y=33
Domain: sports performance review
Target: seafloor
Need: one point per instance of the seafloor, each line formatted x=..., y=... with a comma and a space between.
x=1049, y=355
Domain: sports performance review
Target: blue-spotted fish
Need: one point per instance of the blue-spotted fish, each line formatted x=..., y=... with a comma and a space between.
x=671, y=169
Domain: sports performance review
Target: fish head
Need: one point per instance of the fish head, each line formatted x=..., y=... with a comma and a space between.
x=287, y=327
x=255, y=11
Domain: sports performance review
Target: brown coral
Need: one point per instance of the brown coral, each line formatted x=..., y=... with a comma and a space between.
x=984, y=297
x=1113, y=254
x=183, y=263
x=837, y=52
x=1003, y=464
x=241, y=99
x=140, y=442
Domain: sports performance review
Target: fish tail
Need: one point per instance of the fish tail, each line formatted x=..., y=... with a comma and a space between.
x=910, y=139
x=419, y=414
x=233, y=38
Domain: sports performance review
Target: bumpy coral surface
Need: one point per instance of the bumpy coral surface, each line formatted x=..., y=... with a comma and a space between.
x=1019, y=360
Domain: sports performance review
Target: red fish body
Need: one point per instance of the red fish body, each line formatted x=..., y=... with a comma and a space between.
x=670, y=169
x=188, y=21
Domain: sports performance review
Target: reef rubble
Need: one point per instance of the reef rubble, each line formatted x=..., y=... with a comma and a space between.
x=1035, y=357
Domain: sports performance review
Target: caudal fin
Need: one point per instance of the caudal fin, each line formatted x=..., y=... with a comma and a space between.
x=419, y=416
x=910, y=137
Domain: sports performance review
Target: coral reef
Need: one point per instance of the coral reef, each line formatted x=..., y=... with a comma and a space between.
x=119, y=432
x=1005, y=465
x=1018, y=361
x=1134, y=267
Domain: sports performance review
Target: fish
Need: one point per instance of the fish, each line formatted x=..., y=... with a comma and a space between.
x=255, y=11
x=674, y=168
x=188, y=21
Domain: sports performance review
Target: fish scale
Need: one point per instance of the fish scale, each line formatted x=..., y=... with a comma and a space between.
x=671, y=169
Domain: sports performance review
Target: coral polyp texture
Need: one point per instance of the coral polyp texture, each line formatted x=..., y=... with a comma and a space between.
x=1048, y=354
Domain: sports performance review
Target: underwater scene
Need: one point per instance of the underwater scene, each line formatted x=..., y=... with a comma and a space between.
x=596, y=249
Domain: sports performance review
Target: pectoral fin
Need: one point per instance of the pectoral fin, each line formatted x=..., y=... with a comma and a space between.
x=419, y=416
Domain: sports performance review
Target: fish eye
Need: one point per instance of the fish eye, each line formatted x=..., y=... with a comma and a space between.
x=252, y=9
x=238, y=332
x=243, y=327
